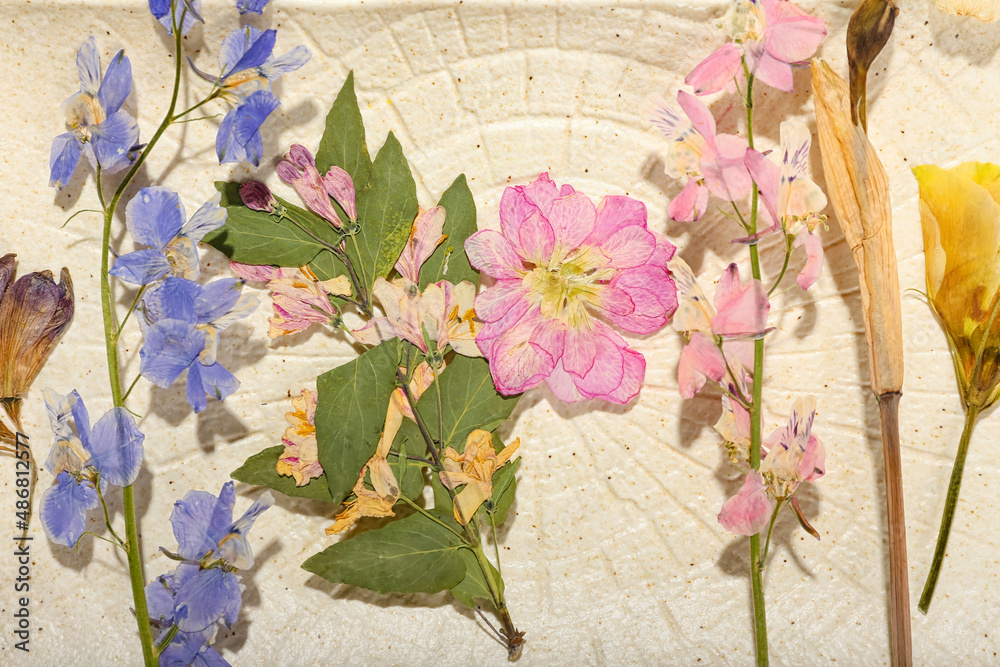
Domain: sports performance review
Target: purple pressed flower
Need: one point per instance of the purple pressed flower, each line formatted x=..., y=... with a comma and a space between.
x=257, y=196
x=208, y=539
x=181, y=324
x=111, y=451
x=239, y=137
x=246, y=72
x=186, y=648
x=99, y=127
x=155, y=217
x=190, y=10
x=255, y=6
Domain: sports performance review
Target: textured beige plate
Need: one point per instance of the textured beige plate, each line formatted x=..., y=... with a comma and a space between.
x=614, y=555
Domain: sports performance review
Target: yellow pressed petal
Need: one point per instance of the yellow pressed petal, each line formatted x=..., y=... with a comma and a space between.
x=961, y=224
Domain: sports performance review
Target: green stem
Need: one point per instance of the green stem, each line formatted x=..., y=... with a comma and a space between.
x=950, y=503
x=770, y=529
x=784, y=264
x=114, y=370
x=167, y=638
x=756, y=578
x=430, y=516
x=135, y=302
x=107, y=517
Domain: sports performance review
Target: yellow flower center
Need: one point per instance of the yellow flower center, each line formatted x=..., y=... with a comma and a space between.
x=563, y=289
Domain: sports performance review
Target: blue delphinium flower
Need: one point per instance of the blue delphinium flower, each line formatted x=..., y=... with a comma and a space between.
x=112, y=450
x=189, y=9
x=255, y=6
x=181, y=325
x=100, y=128
x=204, y=590
x=155, y=217
x=246, y=72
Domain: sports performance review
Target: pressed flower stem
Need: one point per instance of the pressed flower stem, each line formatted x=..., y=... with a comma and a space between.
x=756, y=577
x=899, y=578
x=770, y=529
x=167, y=638
x=136, y=576
x=784, y=264
x=950, y=503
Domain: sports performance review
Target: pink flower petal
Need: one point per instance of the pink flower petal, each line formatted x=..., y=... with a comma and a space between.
x=724, y=168
x=767, y=176
x=561, y=384
x=573, y=218
x=741, y=309
x=791, y=35
x=500, y=300
x=580, y=353
x=299, y=171
x=609, y=364
x=690, y=204
x=749, y=511
x=616, y=212
x=536, y=238
x=340, y=186
x=259, y=273
x=425, y=236
x=768, y=69
x=814, y=259
x=653, y=294
x=632, y=377
x=541, y=192
x=701, y=118
x=492, y=254
x=700, y=360
x=515, y=364
x=629, y=247
x=716, y=71
x=548, y=341
x=664, y=249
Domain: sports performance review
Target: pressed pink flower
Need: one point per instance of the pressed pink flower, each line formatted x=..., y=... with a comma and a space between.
x=739, y=311
x=562, y=267
x=298, y=169
x=713, y=163
x=794, y=455
x=443, y=311
x=791, y=199
x=771, y=35
x=300, y=459
x=748, y=512
x=425, y=237
x=300, y=298
x=340, y=186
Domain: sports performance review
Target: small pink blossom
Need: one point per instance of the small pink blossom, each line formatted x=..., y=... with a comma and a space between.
x=749, y=511
x=739, y=311
x=563, y=266
x=770, y=35
x=794, y=455
x=300, y=298
x=300, y=459
x=713, y=163
x=425, y=237
x=340, y=186
x=791, y=199
x=298, y=169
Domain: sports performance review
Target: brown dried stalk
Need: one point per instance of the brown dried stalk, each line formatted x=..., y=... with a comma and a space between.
x=859, y=190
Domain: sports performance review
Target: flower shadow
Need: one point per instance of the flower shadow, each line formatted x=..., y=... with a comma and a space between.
x=234, y=638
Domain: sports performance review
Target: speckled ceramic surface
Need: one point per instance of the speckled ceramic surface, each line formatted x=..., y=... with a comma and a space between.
x=614, y=555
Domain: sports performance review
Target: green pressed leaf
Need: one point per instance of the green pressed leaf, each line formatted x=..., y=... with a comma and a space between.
x=350, y=414
x=326, y=266
x=473, y=587
x=411, y=555
x=343, y=142
x=259, y=469
x=449, y=261
x=469, y=402
x=386, y=209
x=255, y=237
x=504, y=487
x=442, y=499
x=412, y=484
